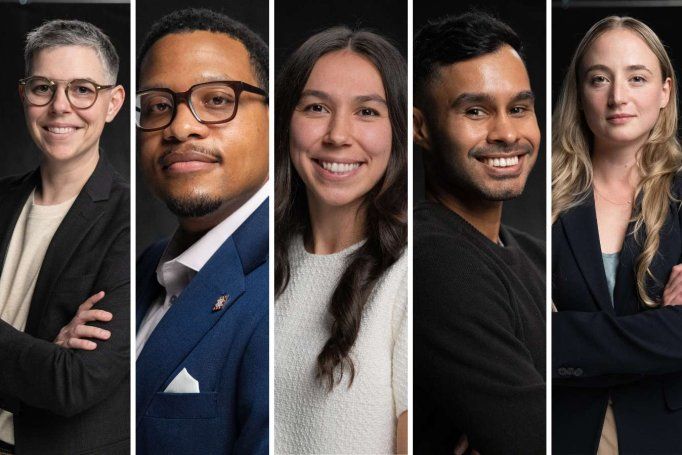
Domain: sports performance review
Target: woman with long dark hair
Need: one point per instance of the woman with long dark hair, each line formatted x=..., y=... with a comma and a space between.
x=340, y=237
x=617, y=243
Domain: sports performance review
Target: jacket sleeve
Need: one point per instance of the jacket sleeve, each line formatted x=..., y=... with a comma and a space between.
x=468, y=355
x=41, y=374
x=646, y=343
x=253, y=402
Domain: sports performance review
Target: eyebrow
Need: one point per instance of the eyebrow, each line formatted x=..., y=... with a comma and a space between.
x=359, y=99
x=629, y=68
x=202, y=77
x=484, y=98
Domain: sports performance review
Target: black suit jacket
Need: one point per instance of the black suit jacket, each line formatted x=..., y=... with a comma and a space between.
x=71, y=401
x=620, y=350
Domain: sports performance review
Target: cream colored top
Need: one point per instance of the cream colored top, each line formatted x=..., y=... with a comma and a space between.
x=31, y=237
x=359, y=419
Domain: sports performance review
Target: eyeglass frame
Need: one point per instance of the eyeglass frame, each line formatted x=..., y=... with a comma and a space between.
x=186, y=96
x=53, y=83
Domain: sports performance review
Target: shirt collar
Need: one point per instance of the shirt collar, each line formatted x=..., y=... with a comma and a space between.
x=197, y=255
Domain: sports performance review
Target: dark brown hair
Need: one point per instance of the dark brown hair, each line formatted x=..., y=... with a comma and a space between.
x=385, y=204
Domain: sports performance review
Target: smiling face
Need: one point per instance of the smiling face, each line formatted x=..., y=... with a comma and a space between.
x=622, y=88
x=204, y=171
x=480, y=135
x=340, y=130
x=64, y=133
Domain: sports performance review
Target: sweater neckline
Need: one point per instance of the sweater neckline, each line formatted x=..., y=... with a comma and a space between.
x=299, y=248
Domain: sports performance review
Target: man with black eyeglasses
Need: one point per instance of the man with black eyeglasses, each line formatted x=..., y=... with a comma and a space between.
x=202, y=301
x=65, y=255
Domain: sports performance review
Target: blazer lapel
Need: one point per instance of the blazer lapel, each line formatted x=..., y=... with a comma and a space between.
x=580, y=228
x=80, y=218
x=148, y=287
x=11, y=204
x=187, y=321
x=192, y=315
x=625, y=296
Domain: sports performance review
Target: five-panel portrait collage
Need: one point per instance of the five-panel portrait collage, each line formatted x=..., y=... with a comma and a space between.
x=340, y=227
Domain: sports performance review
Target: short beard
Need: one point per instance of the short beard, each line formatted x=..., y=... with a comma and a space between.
x=193, y=207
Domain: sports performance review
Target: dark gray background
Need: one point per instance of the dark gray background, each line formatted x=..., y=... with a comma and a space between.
x=19, y=153
x=154, y=221
x=527, y=18
x=298, y=20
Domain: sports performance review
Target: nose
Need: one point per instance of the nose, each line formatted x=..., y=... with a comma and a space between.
x=60, y=102
x=617, y=94
x=184, y=125
x=503, y=130
x=339, y=130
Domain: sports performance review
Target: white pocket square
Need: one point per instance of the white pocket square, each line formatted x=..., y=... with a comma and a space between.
x=183, y=383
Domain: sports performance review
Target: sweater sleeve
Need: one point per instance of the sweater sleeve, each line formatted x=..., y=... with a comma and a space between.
x=468, y=354
x=399, y=376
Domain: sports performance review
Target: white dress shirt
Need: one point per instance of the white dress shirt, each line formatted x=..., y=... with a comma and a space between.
x=176, y=269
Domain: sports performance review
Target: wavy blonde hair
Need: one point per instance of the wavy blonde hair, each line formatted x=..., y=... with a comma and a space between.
x=660, y=158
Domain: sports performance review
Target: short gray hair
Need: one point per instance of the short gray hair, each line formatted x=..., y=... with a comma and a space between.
x=60, y=32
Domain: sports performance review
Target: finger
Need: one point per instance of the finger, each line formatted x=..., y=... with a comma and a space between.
x=86, y=331
x=670, y=291
x=90, y=301
x=77, y=343
x=462, y=445
x=95, y=315
x=672, y=298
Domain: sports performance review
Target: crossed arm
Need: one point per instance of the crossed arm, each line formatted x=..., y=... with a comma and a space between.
x=44, y=375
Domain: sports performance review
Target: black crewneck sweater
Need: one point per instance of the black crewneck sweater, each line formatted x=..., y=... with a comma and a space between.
x=479, y=337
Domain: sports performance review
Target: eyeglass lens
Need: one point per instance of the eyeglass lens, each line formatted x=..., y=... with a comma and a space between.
x=80, y=92
x=210, y=103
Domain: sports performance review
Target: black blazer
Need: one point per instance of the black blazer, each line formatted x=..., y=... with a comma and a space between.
x=622, y=351
x=71, y=401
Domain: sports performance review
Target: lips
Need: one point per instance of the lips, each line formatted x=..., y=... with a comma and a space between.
x=619, y=119
x=187, y=161
x=60, y=129
x=337, y=168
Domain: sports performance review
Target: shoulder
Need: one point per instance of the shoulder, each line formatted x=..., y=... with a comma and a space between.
x=533, y=247
x=677, y=185
x=9, y=182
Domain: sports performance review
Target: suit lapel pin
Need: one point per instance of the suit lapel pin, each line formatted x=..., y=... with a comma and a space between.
x=220, y=303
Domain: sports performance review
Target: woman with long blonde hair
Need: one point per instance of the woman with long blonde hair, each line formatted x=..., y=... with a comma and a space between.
x=617, y=243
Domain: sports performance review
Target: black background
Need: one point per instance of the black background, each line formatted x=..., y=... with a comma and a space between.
x=19, y=152
x=527, y=18
x=298, y=20
x=570, y=23
x=154, y=221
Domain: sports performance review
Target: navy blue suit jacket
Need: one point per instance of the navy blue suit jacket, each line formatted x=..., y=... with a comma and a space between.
x=225, y=350
x=622, y=350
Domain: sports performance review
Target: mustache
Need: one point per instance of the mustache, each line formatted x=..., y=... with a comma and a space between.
x=190, y=149
x=508, y=149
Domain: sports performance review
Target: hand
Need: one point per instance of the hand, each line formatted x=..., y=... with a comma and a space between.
x=463, y=445
x=73, y=334
x=672, y=294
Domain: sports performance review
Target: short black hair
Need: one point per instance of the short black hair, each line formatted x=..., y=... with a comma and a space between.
x=195, y=19
x=452, y=39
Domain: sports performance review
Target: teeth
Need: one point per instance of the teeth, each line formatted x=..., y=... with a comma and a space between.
x=61, y=130
x=502, y=162
x=339, y=168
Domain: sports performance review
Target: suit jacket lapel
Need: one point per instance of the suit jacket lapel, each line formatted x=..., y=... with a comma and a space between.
x=11, y=204
x=80, y=218
x=580, y=228
x=192, y=315
x=148, y=287
x=625, y=297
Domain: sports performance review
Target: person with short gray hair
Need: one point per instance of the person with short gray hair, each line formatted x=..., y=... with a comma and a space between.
x=65, y=257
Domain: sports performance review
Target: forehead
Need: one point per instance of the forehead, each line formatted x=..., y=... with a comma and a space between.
x=68, y=62
x=180, y=60
x=345, y=72
x=500, y=74
x=617, y=48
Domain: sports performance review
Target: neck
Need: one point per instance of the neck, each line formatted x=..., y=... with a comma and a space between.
x=61, y=181
x=484, y=215
x=333, y=229
x=616, y=165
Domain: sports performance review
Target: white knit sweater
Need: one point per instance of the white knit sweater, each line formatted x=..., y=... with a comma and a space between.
x=360, y=419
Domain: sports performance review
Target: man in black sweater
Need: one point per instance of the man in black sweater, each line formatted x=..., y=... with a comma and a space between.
x=479, y=286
